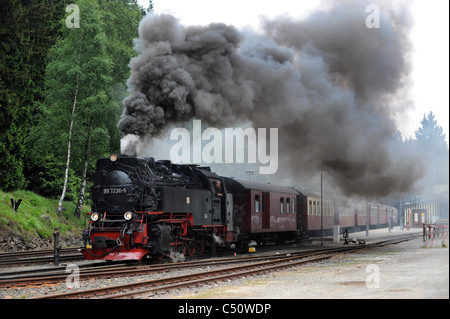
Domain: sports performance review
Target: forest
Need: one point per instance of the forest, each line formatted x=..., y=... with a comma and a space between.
x=64, y=67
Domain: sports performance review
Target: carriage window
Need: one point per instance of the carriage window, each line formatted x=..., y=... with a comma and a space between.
x=293, y=205
x=288, y=206
x=256, y=203
x=310, y=207
x=282, y=205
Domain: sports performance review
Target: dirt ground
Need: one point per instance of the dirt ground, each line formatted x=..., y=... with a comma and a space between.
x=407, y=270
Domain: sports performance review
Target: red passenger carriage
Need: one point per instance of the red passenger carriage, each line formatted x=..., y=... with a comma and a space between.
x=263, y=212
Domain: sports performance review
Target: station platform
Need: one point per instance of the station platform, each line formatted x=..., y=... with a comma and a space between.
x=372, y=236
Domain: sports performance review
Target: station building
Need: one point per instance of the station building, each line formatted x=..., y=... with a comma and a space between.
x=430, y=209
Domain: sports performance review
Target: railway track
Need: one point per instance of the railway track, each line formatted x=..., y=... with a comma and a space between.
x=38, y=256
x=249, y=267
x=49, y=276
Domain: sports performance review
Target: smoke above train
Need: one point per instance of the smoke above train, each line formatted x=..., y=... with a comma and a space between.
x=329, y=84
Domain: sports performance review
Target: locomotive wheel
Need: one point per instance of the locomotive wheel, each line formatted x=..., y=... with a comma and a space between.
x=189, y=248
x=200, y=246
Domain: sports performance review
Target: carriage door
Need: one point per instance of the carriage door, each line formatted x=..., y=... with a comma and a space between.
x=217, y=194
x=265, y=210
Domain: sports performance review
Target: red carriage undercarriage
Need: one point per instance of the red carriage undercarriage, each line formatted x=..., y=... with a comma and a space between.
x=156, y=234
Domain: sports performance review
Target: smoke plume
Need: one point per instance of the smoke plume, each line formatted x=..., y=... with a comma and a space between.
x=328, y=83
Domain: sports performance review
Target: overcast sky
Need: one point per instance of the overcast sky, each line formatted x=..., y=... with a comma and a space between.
x=429, y=36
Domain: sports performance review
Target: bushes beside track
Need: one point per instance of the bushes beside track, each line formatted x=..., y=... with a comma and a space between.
x=37, y=216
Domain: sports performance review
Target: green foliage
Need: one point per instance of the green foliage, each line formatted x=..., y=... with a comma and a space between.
x=430, y=139
x=90, y=64
x=48, y=180
x=41, y=63
x=431, y=135
x=37, y=216
x=117, y=17
x=27, y=29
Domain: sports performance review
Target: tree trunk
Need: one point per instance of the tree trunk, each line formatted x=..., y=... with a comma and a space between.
x=69, y=145
x=84, y=176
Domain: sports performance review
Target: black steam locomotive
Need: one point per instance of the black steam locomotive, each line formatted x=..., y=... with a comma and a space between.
x=142, y=207
x=146, y=207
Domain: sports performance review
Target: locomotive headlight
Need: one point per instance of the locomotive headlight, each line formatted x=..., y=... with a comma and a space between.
x=113, y=157
x=95, y=216
x=128, y=215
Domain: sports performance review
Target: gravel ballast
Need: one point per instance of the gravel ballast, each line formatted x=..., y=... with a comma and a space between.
x=405, y=270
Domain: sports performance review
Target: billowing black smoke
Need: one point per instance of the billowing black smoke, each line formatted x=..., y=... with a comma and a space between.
x=327, y=83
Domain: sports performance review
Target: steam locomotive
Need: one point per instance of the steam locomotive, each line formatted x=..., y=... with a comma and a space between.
x=142, y=207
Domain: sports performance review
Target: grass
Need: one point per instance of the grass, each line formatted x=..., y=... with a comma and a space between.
x=37, y=216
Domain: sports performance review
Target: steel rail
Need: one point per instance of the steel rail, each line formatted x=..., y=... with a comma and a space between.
x=37, y=256
x=46, y=278
x=214, y=275
x=28, y=253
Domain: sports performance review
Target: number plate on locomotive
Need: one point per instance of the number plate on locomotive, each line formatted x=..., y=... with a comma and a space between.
x=114, y=190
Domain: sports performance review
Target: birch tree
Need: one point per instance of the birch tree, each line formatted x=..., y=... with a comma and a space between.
x=120, y=20
x=77, y=78
x=85, y=84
